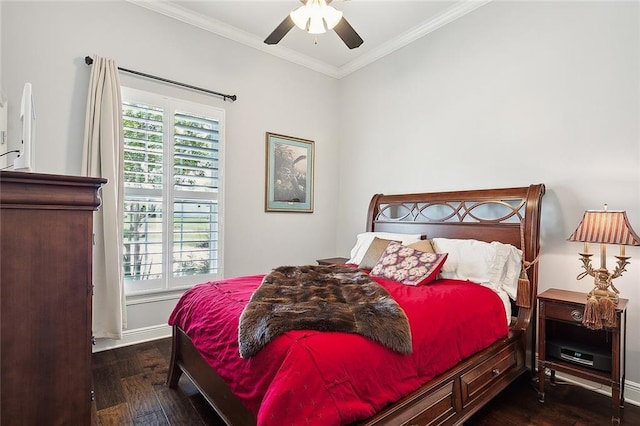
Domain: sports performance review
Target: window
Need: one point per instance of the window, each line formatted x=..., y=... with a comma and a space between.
x=172, y=192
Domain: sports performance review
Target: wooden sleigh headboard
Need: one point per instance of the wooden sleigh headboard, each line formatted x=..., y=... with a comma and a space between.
x=507, y=215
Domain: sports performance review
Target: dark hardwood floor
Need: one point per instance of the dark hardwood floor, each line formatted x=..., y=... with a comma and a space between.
x=130, y=389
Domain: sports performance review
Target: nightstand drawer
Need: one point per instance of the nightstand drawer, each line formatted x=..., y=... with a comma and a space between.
x=563, y=312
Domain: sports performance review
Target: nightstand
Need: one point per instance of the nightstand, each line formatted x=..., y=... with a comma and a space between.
x=333, y=261
x=565, y=345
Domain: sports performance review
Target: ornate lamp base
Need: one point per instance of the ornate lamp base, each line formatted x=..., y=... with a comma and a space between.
x=600, y=309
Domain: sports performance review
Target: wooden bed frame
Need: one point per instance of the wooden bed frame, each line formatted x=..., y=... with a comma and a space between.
x=510, y=215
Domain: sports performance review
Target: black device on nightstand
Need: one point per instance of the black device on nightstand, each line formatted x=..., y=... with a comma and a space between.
x=580, y=354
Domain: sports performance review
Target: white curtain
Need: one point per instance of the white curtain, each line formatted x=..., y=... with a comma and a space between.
x=102, y=157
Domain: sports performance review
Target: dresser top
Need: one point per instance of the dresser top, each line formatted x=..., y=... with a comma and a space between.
x=22, y=190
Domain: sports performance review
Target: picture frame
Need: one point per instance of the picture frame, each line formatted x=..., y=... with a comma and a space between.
x=289, y=174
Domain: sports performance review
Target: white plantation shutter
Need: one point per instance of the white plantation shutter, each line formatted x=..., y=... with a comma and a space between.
x=195, y=184
x=172, y=170
x=143, y=182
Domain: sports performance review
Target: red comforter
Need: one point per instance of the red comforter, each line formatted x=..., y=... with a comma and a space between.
x=333, y=378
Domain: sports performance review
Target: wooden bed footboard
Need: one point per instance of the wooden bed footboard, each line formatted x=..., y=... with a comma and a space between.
x=514, y=218
x=448, y=399
x=186, y=359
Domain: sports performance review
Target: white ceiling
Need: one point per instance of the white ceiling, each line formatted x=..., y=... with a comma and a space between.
x=385, y=25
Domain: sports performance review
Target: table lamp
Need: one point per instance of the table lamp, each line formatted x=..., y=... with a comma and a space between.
x=604, y=227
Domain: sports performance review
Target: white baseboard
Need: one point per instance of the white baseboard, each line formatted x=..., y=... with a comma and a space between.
x=132, y=337
x=632, y=392
x=631, y=389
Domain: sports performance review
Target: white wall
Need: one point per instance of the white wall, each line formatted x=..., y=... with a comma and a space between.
x=49, y=41
x=3, y=144
x=511, y=94
x=1, y=47
x=1, y=38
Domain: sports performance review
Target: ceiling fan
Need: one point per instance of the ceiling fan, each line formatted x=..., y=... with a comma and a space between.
x=316, y=17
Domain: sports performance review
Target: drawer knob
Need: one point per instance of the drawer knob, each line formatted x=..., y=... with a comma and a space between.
x=495, y=372
x=576, y=315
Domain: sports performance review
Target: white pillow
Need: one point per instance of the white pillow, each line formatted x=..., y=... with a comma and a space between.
x=511, y=271
x=364, y=241
x=495, y=265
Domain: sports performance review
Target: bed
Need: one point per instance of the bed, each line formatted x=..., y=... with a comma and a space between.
x=506, y=216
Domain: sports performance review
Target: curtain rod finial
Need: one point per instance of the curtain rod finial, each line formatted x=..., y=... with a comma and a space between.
x=88, y=60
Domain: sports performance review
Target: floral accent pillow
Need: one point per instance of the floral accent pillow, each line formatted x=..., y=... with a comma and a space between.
x=407, y=265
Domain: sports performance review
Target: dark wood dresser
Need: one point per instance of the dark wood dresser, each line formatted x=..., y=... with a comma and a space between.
x=46, y=234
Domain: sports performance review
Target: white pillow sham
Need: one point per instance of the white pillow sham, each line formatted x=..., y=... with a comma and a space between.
x=495, y=265
x=511, y=271
x=364, y=240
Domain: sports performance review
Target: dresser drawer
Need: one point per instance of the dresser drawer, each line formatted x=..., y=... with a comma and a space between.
x=563, y=312
x=476, y=380
x=436, y=408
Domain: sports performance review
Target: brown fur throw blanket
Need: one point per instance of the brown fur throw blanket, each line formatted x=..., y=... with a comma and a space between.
x=324, y=298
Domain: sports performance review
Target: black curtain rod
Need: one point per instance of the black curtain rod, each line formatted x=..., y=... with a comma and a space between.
x=89, y=60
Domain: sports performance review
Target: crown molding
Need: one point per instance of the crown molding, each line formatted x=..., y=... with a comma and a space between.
x=222, y=29
x=449, y=15
x=175, y=11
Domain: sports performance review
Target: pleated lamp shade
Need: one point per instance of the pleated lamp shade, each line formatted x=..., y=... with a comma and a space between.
x=605, y=227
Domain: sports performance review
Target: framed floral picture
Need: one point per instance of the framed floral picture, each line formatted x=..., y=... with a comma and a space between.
x=289, y=177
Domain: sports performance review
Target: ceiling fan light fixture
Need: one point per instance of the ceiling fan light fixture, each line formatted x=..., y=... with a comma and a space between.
x=316, y=17
x=301, y=16
x=316, y=26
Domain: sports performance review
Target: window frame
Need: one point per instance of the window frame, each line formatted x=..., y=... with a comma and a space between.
x=169, y=194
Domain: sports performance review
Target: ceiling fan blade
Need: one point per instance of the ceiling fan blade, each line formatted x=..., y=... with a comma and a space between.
x=346, y=32
x=280, y=31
